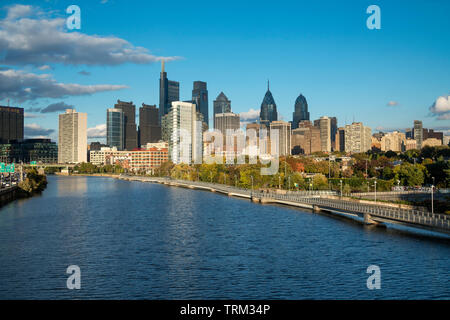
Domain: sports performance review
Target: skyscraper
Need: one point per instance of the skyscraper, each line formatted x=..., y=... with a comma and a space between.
x=115, y=128
x=225, y=121
x=169, y=91
x=72, y=141
x=284, y=137
x=149, y=128
x=324, y=124
x=11, y=123
x=418, y=133
x=301, y=111
x=200, y=98
x=222, y=104
x=268, y=111
x=183, y=126
x=130, y=133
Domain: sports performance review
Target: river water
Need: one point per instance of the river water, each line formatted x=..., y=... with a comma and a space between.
x=135, y=240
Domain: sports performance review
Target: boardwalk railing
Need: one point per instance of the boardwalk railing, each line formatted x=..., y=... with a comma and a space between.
x=319, y=198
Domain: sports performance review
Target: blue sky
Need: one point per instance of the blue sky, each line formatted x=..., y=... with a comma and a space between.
x=320, y=49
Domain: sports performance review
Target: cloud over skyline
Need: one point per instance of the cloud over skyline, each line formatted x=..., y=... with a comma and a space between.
x=99, y=131
x=36, y=131
x=20, y=86
x=441, y=108
x=28, y=36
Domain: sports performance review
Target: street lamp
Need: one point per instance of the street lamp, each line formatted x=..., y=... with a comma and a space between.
x=432, y=200
x=279, y=182
x=341, y=187
x=375, y=190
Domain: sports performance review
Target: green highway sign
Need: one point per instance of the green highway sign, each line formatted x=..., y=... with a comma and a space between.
x=33, y=163
x=7, y=168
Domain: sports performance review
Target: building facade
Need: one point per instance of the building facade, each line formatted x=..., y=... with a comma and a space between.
x=221, y=104
x=284, y=137
x=418, y=133
x=393, y=141
x=358, y=138
x=115, y=128
x=11, y=124
x=39, y=150
x=184, y=128
x=169, y=91
x=324, y=125
x=301, y=112
x=268, y=111
x=130, y=132
x=200, y=98
x=149, y=127
x=72, y=137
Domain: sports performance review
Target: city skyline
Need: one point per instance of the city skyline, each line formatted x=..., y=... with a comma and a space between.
x=366, y=79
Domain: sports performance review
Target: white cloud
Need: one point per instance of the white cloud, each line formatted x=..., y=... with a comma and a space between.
x=21, y=86
x=34, y=130
x=41, y=39
x=99, y=131
x=251, y=114
x=441, y=108
x=45, y=67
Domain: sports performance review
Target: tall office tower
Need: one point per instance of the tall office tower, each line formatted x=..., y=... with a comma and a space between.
x=200, y=98
x=184, y=128
x=340, y=140
x=169, y=91
x=72, y=141
x=301, y=111
x=306, y=138
x=222, y=104
x=11, y=124
x=149, y=128
x=268, y=111
x=324, y=124
x=225, y=121
x=284, y=136
x=130, y=133
x=358, y=138
x=115, y=128
x=333, y=130
x=418, y=133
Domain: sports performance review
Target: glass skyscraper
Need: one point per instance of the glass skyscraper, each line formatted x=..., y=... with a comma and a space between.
x=301, y=111
x=268, y=111
x=200, y=98
x=115, y=125
x=169, y=91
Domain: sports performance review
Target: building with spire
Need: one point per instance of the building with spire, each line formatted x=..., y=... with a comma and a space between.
x=169, y=91
x=301, y=111
x=268, y=111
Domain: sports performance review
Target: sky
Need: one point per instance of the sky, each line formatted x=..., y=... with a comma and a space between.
x=385, y=78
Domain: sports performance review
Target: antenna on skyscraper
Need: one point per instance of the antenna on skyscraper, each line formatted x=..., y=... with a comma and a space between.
x=162, y=65
x=8, y=102
x=268, y=85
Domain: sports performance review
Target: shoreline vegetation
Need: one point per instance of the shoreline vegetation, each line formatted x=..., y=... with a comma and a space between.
x=34, y=183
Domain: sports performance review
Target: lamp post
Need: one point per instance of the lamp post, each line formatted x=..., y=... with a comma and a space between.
x=375, y=190
x=341, y=187
x=432, y=200
x=279, y=182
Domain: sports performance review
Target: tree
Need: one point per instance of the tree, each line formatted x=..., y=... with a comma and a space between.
x=409, y=174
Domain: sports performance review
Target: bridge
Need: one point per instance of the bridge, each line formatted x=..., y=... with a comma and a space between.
x=327, y=201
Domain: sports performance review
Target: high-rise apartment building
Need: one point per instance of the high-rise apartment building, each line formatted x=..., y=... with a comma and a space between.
x=324, y=125
x=115, y=128
x=11, y=124
x=284, y=137
x=268, y=111
x=72, y=141
x=149, y=127
x=393, y=141
x=333, y=131
x=200, y=98
x=183, y=125
x=222, y=104
x=169, y=91
x=301, y=111
x=418, y=133
x=130, y=132
x=358, y=138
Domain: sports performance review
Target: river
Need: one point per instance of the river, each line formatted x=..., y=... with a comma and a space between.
x=136, y=240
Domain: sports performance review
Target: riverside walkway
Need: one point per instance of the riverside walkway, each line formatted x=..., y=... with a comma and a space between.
x=327, y=201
